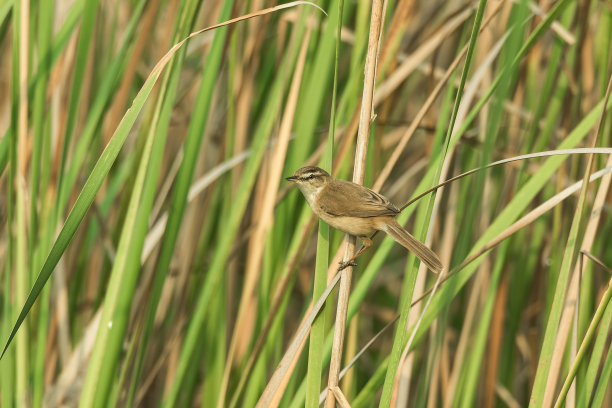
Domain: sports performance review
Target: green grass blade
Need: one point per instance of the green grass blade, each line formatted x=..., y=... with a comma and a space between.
x=4, y=151
x=5, y=11
x=91, y=187
x=604, y=381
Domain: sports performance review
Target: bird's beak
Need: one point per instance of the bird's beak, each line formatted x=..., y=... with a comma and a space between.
x=292, y=178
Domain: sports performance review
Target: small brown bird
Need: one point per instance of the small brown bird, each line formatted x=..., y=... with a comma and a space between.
x=358, y=211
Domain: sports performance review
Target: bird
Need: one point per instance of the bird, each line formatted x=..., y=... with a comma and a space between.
x=358, y=211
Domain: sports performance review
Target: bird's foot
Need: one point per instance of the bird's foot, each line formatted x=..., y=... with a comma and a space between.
x=344, y=265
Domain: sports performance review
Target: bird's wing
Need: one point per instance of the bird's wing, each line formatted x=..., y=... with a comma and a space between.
x=372, y=203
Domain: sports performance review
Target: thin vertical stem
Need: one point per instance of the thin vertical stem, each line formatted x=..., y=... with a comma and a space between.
x=21, y=269
x=363, y=135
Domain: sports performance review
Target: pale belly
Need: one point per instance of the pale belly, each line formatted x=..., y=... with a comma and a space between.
x=351, y=225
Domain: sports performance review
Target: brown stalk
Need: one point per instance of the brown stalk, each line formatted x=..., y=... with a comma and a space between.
x=495, y=342
x=400, y=20
x=60, y=79
x=365, y=119
x=244, y=88
x=345, y=371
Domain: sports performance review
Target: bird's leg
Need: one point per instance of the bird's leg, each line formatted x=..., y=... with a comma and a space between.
x=367, y=242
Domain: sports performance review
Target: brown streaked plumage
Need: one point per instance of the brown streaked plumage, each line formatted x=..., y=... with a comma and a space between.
x=358, y=211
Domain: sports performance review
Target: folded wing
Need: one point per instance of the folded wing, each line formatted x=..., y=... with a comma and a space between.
x=371, y=204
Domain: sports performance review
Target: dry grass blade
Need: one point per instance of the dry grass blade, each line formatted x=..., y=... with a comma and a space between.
x=595, y=260
x=560, y=152
x=506, y=397
x=558, y=28
x=339, y=396
x=73, y=369
x=24, y=27
x=123, y=93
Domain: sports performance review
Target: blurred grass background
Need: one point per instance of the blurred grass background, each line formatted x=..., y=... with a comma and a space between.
x=179, y=263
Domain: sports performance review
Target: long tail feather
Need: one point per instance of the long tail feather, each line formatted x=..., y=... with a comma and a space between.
x=426, y=255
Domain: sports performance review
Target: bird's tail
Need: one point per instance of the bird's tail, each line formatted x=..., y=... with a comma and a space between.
x=425, y=255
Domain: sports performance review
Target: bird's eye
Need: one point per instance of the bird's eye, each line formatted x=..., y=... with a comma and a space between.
x=310, y=177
